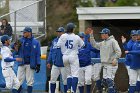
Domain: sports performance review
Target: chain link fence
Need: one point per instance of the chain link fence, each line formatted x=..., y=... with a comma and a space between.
x=21, y=13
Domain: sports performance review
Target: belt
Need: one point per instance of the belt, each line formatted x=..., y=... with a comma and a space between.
x=8, y=67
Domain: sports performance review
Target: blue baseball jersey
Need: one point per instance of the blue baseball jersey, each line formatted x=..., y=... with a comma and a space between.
x=128, y=47
x=85, y=53
x=55, y=55
x=135, y=52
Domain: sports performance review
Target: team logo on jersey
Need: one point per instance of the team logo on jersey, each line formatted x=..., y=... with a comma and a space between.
x=54, y=45
x=34, y=46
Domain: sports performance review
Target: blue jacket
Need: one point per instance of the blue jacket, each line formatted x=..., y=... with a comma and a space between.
x=128, y=47
x=135, y=52
x=95, y=54
x=34, y=55
x=55, y=55
x=84, y=53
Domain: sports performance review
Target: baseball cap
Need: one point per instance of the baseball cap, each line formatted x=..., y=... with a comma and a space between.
x=60, y=29
x=27, y=29
x=105, y=31
x=4, y=38
x=138, y=32
x=134, y=32
x=81, y=34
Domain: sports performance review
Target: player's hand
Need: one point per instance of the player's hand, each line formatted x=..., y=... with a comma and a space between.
x=123, y=39
x=114, y=62
x=89, y=31
x=48, y=66
x=37, y=69
x=18, y=44
x=126, y=52
x=19, y=59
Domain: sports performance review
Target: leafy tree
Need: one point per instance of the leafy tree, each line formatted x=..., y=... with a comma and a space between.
x=123, y=3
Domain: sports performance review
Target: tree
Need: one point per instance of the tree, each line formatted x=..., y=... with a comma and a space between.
x=123, y=3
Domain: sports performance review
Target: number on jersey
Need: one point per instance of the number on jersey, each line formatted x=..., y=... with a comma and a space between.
x=69, y=44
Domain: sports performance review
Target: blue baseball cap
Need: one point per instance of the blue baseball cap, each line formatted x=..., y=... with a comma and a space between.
x=134, y=32
x=105, y=31
x=4, y=38
x=27, y=29
x=81, y=34
x=138, y=32
x=60, y=29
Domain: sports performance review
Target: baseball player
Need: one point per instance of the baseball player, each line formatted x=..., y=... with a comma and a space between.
x=7, y=63
x=135, y=64
x=58, y=68
x=30, y=52
x=85, y=71
x=69, y=44
x=96, y=70
x=128, y=47
x=110, y=52
x=96, y=67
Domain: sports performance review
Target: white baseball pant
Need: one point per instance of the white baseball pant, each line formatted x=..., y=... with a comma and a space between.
x=134, y=74
x=109, y=71
x=56, y=71
x=10, y=78
x=71, y=62
x=25, y=72
x=85, y=74
x=96, y=70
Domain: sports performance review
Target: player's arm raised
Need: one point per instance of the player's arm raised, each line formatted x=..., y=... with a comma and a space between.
x=92, y=40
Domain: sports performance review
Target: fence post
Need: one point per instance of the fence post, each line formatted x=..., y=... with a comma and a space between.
x=15, y=30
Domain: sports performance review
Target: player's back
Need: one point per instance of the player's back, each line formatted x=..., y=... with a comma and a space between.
x=69, y=43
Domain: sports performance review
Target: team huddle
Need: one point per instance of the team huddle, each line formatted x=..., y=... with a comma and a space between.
x=71, y=55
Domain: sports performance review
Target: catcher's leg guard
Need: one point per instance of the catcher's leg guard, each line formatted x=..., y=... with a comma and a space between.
x=99, y=86
x=110, y=84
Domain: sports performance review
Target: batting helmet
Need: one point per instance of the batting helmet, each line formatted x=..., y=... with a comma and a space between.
x=134, y=32
x=60, y=29
x=105, y=31
x=70, y=26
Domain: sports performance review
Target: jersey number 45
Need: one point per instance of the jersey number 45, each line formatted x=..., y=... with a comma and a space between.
x=69, y=44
